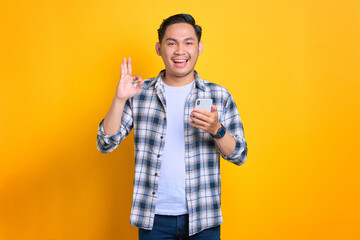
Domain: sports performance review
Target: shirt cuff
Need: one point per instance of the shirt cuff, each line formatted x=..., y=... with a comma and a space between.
x=113, y=139
x=238, y=156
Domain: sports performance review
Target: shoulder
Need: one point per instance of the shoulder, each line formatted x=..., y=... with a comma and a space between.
x=210, y=86
x=217, y=91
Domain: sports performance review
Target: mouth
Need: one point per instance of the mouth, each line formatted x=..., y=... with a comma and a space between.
x=180, y=62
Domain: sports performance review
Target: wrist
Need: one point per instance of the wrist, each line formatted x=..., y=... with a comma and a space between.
x=220, y=132
x=118, y=100
x=216, y=129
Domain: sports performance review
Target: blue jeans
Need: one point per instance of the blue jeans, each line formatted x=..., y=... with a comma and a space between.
x=176, y=228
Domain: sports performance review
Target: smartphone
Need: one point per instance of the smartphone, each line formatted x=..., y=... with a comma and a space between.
x=203, y=104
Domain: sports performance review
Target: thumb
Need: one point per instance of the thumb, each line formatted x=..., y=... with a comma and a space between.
x=213, y=108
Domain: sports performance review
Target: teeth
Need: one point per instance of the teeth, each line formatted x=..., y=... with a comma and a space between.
x=179, y=61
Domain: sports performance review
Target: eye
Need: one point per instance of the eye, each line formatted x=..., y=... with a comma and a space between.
x=189, y=43
x=171, y=44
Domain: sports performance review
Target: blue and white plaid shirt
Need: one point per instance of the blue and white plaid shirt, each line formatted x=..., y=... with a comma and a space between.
x=146, y=113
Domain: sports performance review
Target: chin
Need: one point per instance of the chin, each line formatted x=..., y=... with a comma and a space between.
x=183, y=74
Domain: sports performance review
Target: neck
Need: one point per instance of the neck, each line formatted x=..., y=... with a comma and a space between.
x=175, y=81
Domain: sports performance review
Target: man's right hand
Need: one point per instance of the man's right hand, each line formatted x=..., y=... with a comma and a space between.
x=126, y=89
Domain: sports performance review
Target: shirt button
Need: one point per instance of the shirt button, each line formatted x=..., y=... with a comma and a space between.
x=158, y=155
x=155, y=174
x=153, y=193
x=161, y=137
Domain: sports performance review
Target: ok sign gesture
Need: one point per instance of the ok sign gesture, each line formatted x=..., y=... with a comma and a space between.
x=126, y=88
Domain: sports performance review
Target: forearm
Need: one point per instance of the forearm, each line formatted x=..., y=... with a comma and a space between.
x=112, y=121
x=226, y=144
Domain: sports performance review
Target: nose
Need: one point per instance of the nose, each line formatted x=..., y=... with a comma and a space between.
x=179, y=49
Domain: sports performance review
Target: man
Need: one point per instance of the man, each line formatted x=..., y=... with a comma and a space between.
x=177, y=147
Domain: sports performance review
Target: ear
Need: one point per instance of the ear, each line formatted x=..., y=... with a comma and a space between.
x=157, y=48
x=201, y=47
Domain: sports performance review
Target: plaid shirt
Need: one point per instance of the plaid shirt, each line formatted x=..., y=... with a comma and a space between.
x=146, y=113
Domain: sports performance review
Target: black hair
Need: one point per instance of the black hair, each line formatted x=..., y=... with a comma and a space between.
x=179, y=18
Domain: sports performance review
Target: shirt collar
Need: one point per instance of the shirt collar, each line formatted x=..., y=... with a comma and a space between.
x=158, y=82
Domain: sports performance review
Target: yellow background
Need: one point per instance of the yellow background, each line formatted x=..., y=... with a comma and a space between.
x=291, y=66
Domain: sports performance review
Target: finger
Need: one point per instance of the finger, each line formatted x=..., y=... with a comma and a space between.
x=125, y=66
x=200, y=115
x=198, y=121
x=129, y=71
x=137, y=77
x=140, y=82
x=139, y=85
x=122, y=70
x=203, y=112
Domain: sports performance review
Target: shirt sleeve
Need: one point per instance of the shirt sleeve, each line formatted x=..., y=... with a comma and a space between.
x=232, y=123
x=106, y=143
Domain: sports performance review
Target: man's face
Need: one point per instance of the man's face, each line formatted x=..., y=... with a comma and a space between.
x=179, y=50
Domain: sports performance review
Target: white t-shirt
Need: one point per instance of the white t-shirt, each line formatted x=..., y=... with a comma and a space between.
x=171, y=198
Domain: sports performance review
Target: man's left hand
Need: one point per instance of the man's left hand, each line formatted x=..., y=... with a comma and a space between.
x=207, y=121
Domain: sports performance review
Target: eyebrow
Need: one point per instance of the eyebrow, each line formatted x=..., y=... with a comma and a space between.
x=173, y=39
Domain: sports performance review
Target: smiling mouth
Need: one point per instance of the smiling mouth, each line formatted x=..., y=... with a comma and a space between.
x=180, y=62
